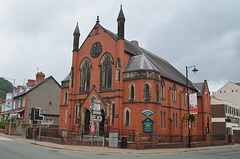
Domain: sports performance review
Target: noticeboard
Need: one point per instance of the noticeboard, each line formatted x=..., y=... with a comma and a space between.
x=148, y=125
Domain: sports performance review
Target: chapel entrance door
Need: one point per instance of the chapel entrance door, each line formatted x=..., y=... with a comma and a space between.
x=101, y=124
x=86, y=122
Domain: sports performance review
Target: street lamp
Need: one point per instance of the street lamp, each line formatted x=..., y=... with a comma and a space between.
x=12, y=103
x=189, y=126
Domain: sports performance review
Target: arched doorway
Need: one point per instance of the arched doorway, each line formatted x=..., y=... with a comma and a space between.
x=101, y=124
x=86, y=122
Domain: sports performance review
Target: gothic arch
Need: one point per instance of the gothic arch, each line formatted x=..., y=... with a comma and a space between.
x=147, y=91
x=131, y=96
x=106, y=71
x=65, y=101
x=85, y=74
x=127, y=117
x=85, y=120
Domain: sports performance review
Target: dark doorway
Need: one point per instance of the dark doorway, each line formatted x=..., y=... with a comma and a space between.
x=101, y=124
x=87, y=122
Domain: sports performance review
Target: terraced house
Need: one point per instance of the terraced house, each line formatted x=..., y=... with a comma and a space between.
x=139, y=92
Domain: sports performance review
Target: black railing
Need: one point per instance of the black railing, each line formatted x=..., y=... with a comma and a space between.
x=130, y=134
x=50, y=132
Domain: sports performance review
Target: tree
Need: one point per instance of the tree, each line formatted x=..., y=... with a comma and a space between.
x=5, y=87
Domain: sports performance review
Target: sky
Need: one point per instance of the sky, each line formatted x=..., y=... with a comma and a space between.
x=37, y=35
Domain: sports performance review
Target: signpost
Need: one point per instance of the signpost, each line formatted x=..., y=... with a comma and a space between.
x=96, y=112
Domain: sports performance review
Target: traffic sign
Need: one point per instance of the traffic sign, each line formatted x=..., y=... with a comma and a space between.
x=96, y=101
x=97, y=107
x=97, y=118
x=96, y=112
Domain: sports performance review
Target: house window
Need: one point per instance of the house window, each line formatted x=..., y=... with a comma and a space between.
x=147, y=95
x=157, y=93
x=76, y=112
x=127, y=117
x=164, y=120
x=106, y=63
x=162, y=90
x=161, y=120
x=85, y=74
x=131, y=92
x=65, y=97
x=174, y=94
x=184, y=96
x=208, y=125
x=112, y=114
x=174, y=121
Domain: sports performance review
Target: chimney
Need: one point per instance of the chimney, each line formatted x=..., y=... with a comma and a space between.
x=135, y=43
x=19, y=87
x=31, y=82
x=40, y=77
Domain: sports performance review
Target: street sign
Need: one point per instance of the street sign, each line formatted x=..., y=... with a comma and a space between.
x=96, y=112
x=97, y=107
x=97, y=118
x=96, y=101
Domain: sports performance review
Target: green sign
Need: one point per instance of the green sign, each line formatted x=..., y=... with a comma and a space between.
x=148, y=125
x=147, y=112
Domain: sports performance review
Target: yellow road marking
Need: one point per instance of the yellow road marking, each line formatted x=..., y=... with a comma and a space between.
x=4, y=138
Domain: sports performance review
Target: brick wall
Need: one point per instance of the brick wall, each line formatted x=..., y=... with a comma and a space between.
x=236, y=134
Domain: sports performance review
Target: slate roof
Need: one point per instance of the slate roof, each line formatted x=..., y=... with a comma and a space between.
x=139, y=62
x=150, y=61
x=162, y=66
x=67, y=78
x=35, y=86
x=200, y=86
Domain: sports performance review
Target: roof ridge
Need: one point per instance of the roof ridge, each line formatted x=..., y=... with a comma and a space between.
x=144, y=50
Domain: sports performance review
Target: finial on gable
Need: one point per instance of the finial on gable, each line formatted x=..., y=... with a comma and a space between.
x=97, y=22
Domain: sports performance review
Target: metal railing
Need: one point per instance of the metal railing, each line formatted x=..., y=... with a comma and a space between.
x=130, y=134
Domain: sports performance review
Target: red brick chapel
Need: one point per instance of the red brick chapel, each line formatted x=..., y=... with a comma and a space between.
x=133, y=85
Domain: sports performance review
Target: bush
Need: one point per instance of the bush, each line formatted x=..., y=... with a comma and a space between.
x=211, y=138
x=3, y=123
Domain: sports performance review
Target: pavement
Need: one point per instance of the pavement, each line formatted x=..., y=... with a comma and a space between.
x=106, y=150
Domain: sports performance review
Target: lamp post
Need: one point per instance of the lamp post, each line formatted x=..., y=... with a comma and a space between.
x=189, y=125
x=12, y=103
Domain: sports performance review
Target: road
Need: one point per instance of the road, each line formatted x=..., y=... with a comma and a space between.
x=12, y=149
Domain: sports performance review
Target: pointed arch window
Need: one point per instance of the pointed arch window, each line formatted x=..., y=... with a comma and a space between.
x=164, y=119
x=131, y=92
x=162, y=90
x=106, y=64
x=174, y=121
x=85, y=74
x=65, y=97
x=147, y=92
x=157, y=93
x=174, y=94
x=127, y=114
